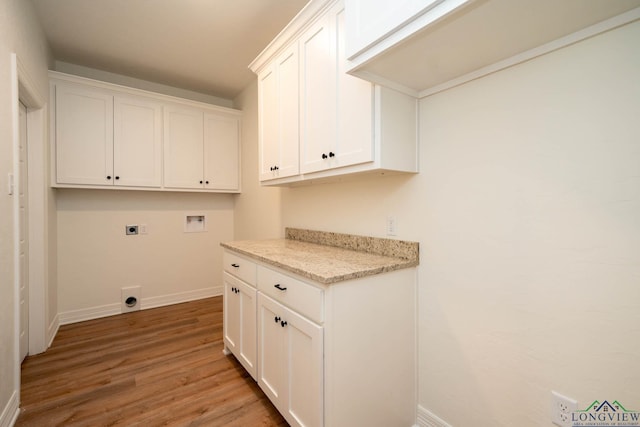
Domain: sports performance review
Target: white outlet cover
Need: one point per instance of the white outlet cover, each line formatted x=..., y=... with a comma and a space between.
x=562, y=409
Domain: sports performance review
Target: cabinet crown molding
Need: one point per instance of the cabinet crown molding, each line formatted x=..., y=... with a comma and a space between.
x=305, y=18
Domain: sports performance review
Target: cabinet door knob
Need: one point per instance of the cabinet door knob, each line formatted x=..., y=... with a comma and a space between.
x=108, y=176
x=117, y=177
x=206, y=182
x=200, y=182
x=324, y=156
x=277, y=286
x=233, y=290
x=283, y=323
x=275, y=168
x=235, y=265
x=332, y=154
x=277, y=319
x=237, y=291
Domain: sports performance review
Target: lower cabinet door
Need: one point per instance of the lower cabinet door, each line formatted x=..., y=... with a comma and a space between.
x=240, y=322
x=271, y=350
x=304, y=371
x=291, y=362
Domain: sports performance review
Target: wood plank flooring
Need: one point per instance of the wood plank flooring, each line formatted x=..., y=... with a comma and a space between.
x=159, y=367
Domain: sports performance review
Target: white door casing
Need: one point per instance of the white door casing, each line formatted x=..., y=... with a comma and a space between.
x=23, y=234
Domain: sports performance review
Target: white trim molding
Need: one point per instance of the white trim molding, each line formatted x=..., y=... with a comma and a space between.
x=599, y=28
x=9, y=414
x=97, y=312
x=427, y=418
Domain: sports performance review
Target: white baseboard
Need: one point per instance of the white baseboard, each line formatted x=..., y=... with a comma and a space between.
x=160, y=301
x=53, y=330
x=427, y=418
x=11, y=411
x=91, y=313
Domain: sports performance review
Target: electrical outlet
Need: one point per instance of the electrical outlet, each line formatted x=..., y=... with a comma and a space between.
x=562, y=408
x=392, y=226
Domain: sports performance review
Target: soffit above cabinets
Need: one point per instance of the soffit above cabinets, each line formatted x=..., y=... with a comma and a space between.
x=476, y=35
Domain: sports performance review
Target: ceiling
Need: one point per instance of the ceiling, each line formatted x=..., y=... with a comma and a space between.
x=199, y=45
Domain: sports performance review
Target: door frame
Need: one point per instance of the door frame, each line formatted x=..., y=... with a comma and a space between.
x=26, y=91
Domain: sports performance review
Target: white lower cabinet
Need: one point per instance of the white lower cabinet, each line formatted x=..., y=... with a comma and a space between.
x=240, y=321
x=338, y=355
x=290, y=369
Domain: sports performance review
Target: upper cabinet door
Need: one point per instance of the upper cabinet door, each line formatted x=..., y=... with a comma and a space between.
x=289, y=109
x=83, y=135
x=137, y=142
x=278, y=102
x=371, y=20
x=318, y=63
x=268, y=122
x=183, y=147
x=221, y=152
x=355, y=135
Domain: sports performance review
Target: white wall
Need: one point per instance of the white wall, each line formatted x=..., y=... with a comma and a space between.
x=20, y=33
x=527, y=210
x=96, y=258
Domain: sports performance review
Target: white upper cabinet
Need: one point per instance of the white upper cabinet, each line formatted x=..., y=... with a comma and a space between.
x=336, y=112
x=221, y=151
x=102, y=139
x=345, y=124
x=108, y=136
x=420, y=47
x=355, y=131
x=137, y=142
x=201, y=149
x=318, y=114
x=84, y=135
x=278, y=111
x=371, y=20
x=183, y=147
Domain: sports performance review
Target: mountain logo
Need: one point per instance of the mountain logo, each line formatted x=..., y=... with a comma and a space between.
x=605, y=414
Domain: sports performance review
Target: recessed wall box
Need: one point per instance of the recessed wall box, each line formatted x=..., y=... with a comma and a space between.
x=130, y=299
x=195, y=223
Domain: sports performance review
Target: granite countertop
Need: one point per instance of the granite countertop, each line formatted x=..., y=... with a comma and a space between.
x=329, y=257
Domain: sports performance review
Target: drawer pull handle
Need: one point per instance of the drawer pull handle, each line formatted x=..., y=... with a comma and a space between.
x=233, y=290
x=277, y=286
x=235, y=265
x=283, y=323
x=277, y=319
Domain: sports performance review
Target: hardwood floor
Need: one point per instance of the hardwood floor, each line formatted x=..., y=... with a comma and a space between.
x=147, y=368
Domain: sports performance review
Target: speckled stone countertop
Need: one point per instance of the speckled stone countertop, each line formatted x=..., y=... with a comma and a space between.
x=329, y=257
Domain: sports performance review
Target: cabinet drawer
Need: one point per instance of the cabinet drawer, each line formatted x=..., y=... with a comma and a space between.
x=299, y=296
x=240, y=267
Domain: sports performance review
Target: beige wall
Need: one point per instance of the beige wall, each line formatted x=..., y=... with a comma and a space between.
x=527, y=210
x=19, y=33
x=257, y=209
x=96, y=258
